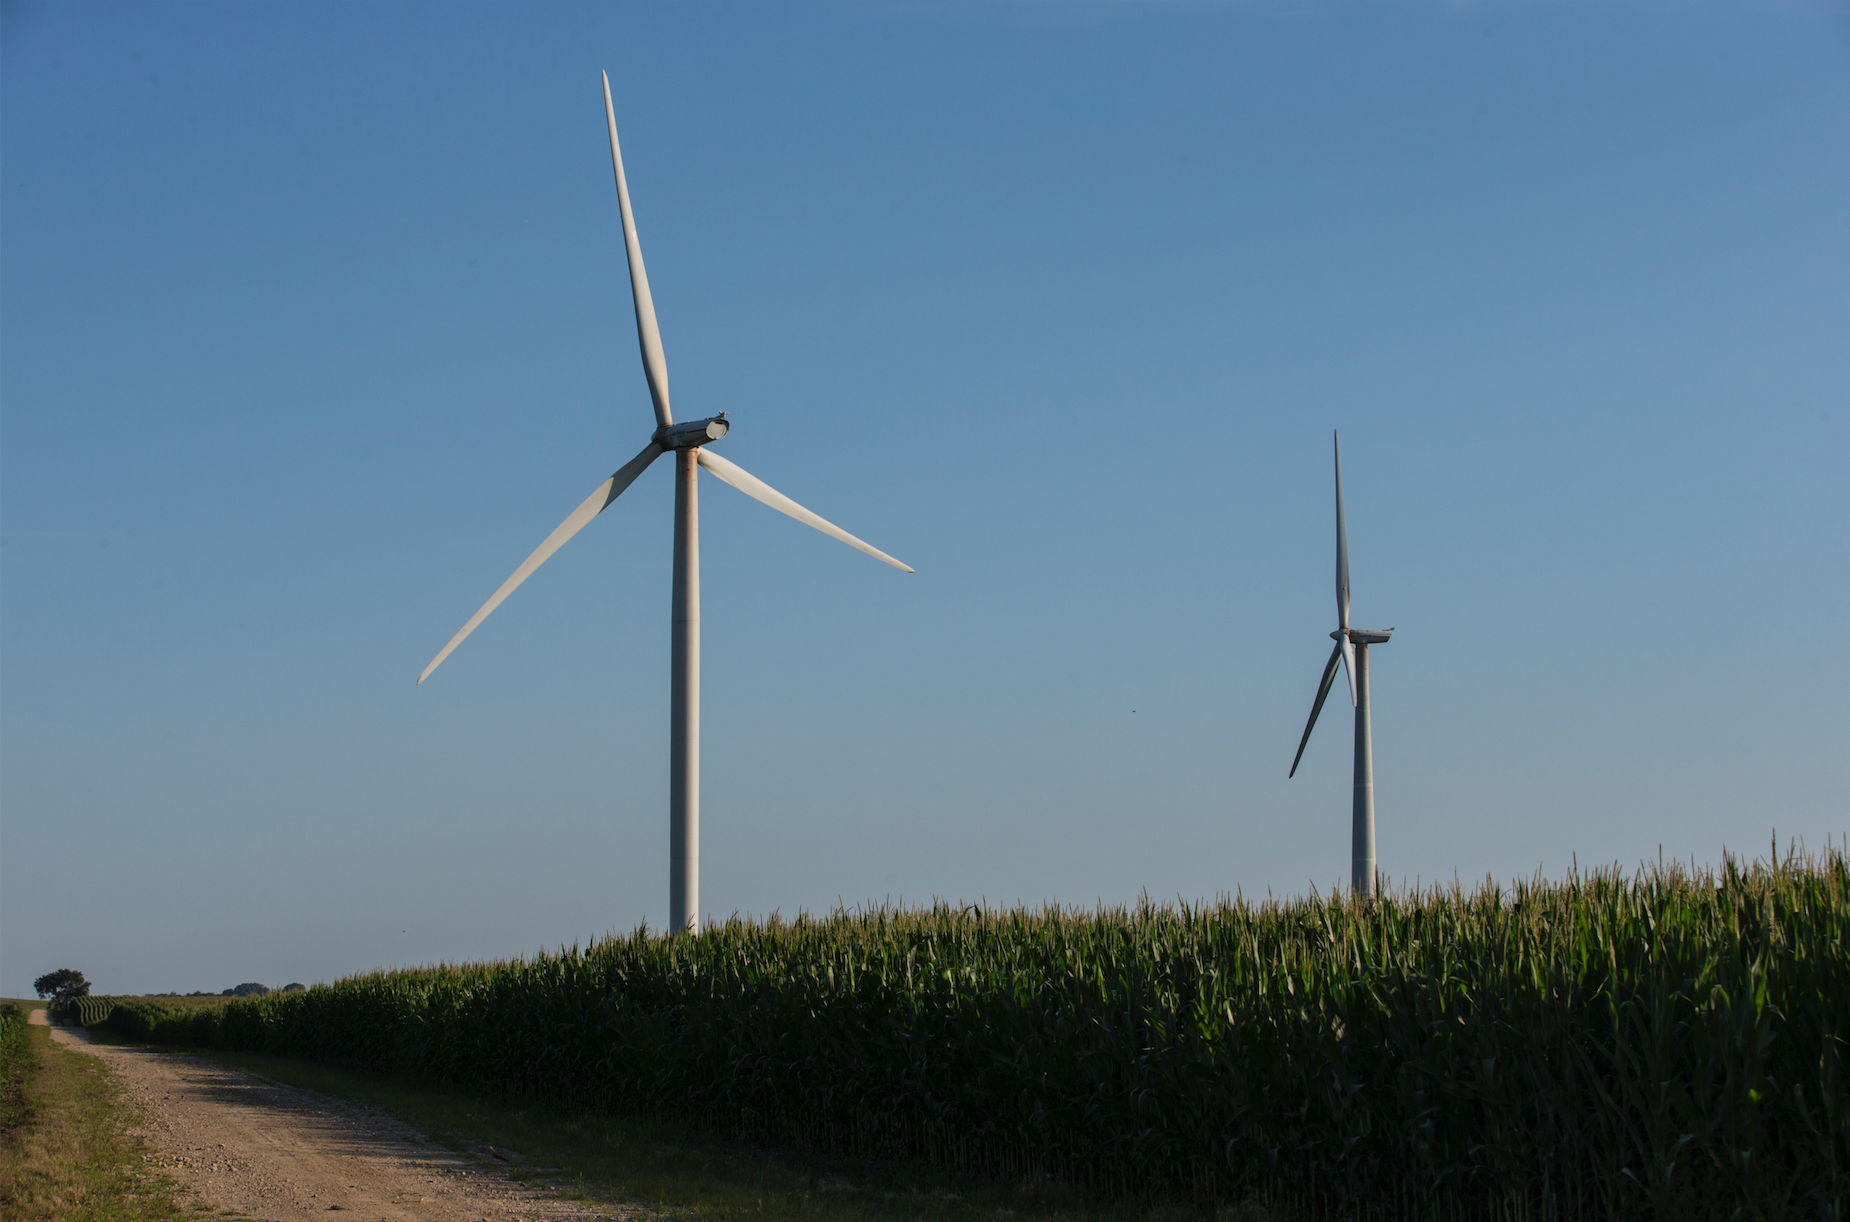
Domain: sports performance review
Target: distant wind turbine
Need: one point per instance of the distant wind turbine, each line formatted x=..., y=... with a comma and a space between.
x=1351, y=653
x=685, y=441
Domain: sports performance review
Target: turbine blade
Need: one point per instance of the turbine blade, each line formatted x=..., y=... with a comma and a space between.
x=1347, y=649
x=593, y=505
x=648, y=334
x=1342, y=546
x=1323, y=690
x=757, y=489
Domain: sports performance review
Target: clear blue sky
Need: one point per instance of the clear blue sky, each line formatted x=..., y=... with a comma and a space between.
x=315, y=322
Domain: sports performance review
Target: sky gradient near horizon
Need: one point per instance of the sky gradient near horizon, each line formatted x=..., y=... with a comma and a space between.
x=314, y=321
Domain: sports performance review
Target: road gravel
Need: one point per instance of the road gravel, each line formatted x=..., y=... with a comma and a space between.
x=233, y=1141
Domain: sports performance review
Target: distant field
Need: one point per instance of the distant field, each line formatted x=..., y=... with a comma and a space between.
x=1666, y=1045
x=95, y=1011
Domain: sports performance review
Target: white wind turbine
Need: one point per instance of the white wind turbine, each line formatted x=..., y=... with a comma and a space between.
x=685, y=441
x=1351, y=653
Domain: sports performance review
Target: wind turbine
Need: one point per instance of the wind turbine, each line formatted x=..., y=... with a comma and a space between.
x=686, y=442
x=1351, y=653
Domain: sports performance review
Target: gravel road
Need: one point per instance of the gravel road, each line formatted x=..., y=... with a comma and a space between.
x=233, y=1141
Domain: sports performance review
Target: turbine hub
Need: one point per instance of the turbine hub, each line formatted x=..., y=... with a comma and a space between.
x=693, y=434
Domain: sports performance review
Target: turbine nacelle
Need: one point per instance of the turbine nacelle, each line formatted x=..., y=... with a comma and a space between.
x=692, y=434
x=1364, y=636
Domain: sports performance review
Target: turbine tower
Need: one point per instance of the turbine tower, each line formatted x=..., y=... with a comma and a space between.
x=1351, y=653
x=687, y=443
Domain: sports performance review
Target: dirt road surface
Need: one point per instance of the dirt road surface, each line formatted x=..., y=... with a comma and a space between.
x=233, y=1141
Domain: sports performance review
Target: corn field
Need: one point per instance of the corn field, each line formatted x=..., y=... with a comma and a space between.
x=1666, y=1045
x=100, y=1011
x=84, y=1011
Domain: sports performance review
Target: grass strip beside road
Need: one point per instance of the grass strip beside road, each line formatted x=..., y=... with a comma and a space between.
x=691, y=1177
x=64, y=1153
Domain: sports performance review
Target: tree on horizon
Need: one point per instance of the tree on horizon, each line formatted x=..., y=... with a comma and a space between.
x=64, y=985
